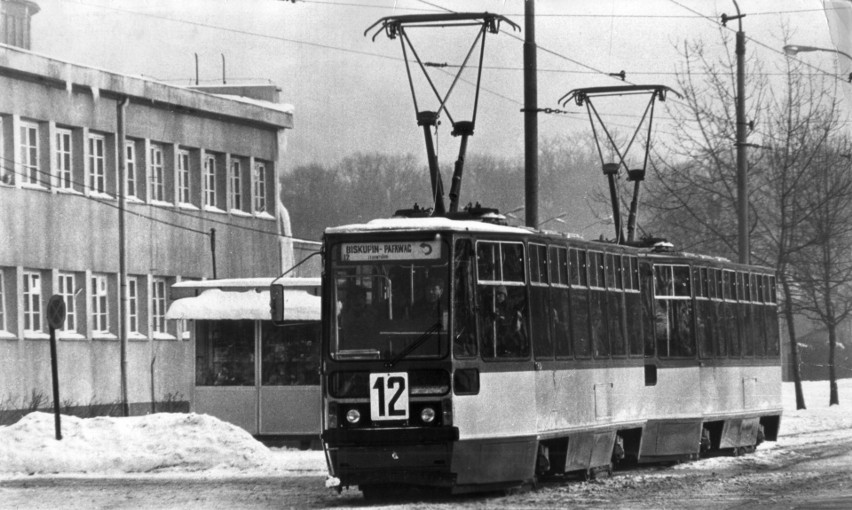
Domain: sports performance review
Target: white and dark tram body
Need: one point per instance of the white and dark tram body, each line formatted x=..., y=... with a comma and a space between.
x=544, y=355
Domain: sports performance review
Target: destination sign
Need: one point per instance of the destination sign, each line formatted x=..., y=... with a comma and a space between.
x=391, y=250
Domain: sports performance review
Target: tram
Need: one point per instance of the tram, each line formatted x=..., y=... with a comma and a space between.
x=462, y=353
x=544, y=354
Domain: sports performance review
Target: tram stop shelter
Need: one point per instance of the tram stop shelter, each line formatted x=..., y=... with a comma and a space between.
x=248, y=371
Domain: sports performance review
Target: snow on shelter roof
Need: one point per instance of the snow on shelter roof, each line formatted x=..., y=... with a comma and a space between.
x=431, y=223
x=217, y=302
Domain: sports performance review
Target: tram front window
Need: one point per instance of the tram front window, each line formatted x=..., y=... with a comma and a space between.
x=389, y=310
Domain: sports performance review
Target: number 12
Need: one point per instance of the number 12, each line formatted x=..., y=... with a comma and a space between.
x=389, y=396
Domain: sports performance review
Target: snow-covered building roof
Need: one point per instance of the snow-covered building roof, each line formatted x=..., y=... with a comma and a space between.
x=246, y=298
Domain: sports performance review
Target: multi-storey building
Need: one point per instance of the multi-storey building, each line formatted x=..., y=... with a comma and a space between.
x=201, y=179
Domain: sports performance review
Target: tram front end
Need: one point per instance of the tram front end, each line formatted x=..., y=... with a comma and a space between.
x=387, y=413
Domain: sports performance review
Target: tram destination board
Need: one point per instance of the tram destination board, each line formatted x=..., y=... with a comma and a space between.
x=391, y=250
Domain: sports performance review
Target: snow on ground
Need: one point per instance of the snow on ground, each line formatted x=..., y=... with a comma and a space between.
x=204, y=446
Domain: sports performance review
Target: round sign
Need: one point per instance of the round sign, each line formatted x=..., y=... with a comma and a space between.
x=56, y=311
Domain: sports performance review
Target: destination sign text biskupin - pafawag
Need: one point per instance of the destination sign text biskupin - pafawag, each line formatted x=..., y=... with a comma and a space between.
x=392, y=250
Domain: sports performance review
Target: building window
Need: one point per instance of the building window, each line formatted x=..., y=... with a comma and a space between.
x=184, y=196
x=97, y=164
x=236, y=183
x=132, y=304
x=130, y=168
x=210, y=181
x=158, y=185
x=64, y=159
x=32, y=301
x=29, y=152
x=66, y=291
x=158, y=305
x=100, y=304
x=259, y=187
x=2, y=302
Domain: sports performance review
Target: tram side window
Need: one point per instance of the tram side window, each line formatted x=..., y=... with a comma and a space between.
x=542, y=313
x=615, y=303
x=703, y=312
x=746, y=314
x=224, y=353
x=597, y=305
x=759, y=314
x=771, y=316
x=718, y=312
x=580, y=328
x=632, y=306
x=559, y=273
x=646, y=285
x=290, y=354
x=731, y=317
x=502, y=300
x=674, y=311
x=464, y=344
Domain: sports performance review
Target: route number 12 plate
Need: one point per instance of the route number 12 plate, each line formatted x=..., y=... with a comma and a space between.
x=389, y=396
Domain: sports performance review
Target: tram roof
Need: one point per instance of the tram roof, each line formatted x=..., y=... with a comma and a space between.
x=426, y=224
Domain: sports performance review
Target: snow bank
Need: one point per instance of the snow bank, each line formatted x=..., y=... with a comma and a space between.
x=201, y=445
x=139, y=444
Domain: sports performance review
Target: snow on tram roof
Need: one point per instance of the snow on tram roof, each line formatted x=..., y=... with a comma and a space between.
x=420, y=224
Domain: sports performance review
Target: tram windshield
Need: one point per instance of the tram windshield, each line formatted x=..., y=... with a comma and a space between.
x=392, y=300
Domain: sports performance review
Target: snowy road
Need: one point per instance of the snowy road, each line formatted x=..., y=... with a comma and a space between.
x=813, y=471
x=196, y=461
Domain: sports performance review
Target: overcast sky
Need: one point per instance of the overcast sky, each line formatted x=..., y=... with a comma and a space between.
x=351, y=94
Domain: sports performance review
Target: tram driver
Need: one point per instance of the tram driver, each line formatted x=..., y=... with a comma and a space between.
x=433, y=307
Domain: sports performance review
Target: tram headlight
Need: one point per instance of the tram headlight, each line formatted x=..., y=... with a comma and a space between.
x=353, y=416
x=427, y=415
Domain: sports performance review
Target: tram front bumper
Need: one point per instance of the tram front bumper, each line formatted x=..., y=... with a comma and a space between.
x=412, y=456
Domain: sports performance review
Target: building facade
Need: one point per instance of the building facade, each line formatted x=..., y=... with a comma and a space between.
x=201, y=178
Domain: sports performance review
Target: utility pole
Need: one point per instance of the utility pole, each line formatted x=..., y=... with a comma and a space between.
x=742, y=163
x=122, y=249
x=530, y=116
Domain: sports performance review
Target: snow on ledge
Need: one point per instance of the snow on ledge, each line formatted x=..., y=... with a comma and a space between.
x=215, y=304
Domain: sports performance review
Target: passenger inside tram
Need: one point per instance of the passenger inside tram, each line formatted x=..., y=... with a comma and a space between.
x=431, y=308
x=508, y=324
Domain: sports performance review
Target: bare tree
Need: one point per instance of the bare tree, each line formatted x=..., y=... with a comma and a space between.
x=694, y=196
x=823, y=271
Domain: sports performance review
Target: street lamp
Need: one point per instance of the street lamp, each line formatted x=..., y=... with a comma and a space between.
x=794, y=49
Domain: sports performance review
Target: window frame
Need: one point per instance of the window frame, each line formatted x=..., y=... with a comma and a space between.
x=99, y=298
x=130, y=168
x=70, y=325
x=64, y=153
x=209, y=182
x=97, y=163
x=2, y=301
x=33, y=302
x=29, y=150
x=157, y=173
x=235, y=181
x=259, y=202
x=184, y=181
x=159, y=303
x=133, y=305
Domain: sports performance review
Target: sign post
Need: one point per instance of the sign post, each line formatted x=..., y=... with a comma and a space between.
x=55, y=319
